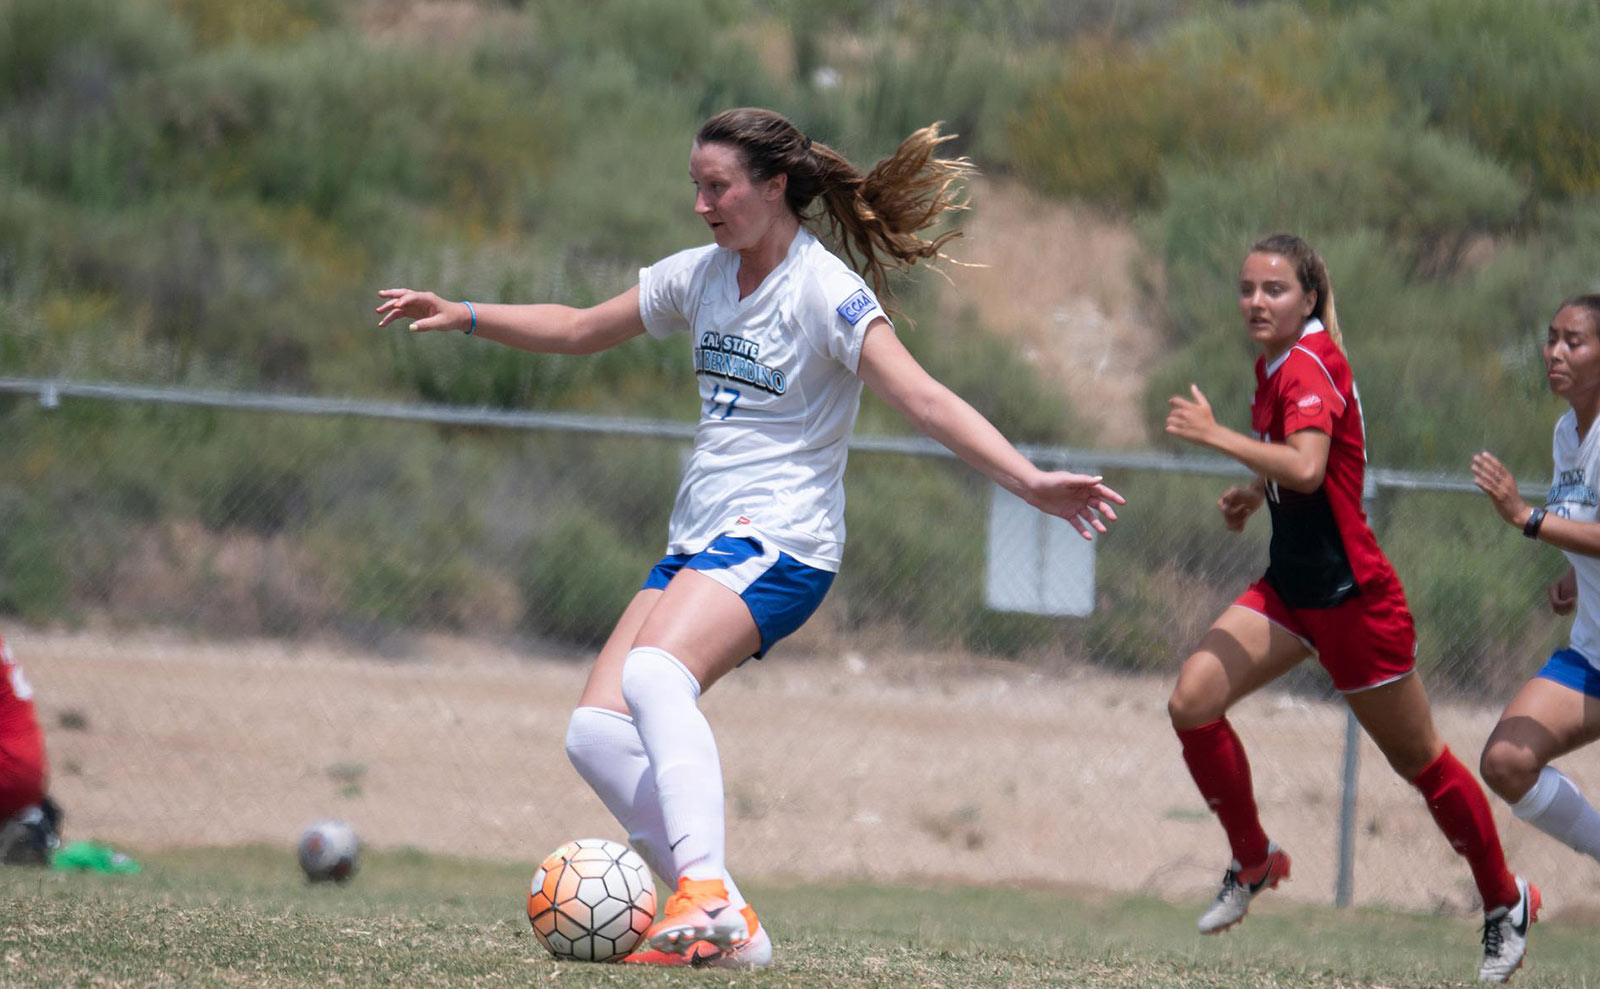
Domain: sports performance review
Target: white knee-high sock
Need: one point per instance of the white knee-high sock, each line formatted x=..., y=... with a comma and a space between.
x=663, y=696
x=1557, y=807
x=605, y=749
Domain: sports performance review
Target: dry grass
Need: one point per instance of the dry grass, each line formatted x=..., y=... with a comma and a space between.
x=244, y=917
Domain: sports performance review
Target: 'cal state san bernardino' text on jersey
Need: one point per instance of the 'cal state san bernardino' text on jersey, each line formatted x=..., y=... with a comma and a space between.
x=1573, y=495
x=1322, y=550
x=778, y=393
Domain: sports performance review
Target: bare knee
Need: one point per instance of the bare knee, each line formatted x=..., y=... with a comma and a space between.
x=1508, y=769
x=1195, y=702
x=1408, y=761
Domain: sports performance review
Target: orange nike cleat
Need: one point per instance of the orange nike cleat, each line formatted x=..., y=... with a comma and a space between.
x=756, y=952
x=701, y=912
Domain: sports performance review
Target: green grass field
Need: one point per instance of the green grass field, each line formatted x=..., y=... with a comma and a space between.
x=244, y=917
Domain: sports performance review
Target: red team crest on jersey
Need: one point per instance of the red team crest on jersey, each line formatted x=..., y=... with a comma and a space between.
x=742, y=520
x=1309, y=404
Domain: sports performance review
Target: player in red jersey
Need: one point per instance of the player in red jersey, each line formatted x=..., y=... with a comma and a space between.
x=27, y=816
x=1328, y=589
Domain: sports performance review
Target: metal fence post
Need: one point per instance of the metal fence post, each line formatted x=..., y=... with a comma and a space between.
x=1352, y=758
x=1347, y=810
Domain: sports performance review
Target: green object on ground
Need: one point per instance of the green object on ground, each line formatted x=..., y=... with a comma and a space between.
x=88, y=856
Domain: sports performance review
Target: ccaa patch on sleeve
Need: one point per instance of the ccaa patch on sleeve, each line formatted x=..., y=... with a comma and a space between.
x=853, y=308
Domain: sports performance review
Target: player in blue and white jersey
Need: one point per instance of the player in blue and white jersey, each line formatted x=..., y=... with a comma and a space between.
x=783, y=336
x=1558, y=711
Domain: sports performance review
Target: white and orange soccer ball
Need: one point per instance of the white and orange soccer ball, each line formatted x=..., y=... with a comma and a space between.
x=591, y=900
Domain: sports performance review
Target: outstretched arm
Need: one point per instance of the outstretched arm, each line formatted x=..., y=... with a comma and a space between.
x=541, y=328
x=895, y=376
x=1298, y=463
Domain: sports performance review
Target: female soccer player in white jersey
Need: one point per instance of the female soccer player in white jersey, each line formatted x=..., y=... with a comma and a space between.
x=783, y=336
x=1558, y=711
x=1329, y=589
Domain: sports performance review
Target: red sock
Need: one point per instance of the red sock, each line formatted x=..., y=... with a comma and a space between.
x=1462, y=812
x=1217, y=762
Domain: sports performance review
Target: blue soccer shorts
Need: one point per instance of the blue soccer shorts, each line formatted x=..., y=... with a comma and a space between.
x=1568, y=668
x=780, y=591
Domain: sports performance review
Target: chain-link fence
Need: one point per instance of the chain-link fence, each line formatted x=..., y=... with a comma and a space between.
x=245, y=611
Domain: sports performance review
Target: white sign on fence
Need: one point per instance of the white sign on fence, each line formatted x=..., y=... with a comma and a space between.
x=1036, y=562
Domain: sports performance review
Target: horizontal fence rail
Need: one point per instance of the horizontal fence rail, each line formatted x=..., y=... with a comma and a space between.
x=50, y=391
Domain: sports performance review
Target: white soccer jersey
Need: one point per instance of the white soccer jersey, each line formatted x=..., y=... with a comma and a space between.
x=778, y=393
x=1573, y=496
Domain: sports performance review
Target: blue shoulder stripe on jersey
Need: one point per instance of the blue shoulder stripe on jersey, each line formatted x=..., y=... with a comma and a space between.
x=853, y=308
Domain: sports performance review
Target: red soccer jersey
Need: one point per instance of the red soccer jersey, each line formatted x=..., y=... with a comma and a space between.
x=1322, y=550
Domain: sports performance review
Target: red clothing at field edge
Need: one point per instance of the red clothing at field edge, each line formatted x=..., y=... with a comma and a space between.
x=23, y=769
x=1312, y=387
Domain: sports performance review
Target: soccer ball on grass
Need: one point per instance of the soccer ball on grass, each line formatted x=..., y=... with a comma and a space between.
x=591, y=900
x=328, y=851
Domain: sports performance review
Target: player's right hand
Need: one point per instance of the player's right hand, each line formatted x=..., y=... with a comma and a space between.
x=1563, y=592
x=1237, y=504
x=426, y=310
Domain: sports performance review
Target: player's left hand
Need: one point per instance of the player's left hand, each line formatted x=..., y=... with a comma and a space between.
x=1495, y=480
x=1079, y=498
x=1190, y=419
x=1563, y=592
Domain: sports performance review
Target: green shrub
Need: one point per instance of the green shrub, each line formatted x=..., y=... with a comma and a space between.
x=222, y=22
x=88, y=47
x=578, y=577
x=900, y=569
x=1215, y=91
x=983, y=368
x=34, y=582
x=1515, y=77
x=1429, y=197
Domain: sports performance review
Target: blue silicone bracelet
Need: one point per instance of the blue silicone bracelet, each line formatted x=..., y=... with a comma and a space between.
x=474, y=313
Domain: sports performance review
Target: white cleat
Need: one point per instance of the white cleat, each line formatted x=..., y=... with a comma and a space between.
x=754, y=952
x=1505, y=934
x=1240, y=886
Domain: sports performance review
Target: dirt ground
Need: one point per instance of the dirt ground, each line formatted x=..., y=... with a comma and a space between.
x=900, y=768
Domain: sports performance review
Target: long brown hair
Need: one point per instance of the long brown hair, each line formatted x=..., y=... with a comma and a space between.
x=874, y=218
x=1312, y=273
